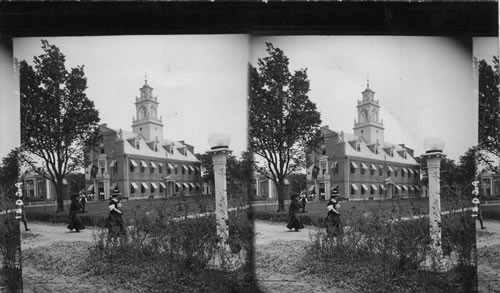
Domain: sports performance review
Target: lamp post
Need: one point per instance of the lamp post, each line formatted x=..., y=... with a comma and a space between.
x=219, y=143
x=434, y=153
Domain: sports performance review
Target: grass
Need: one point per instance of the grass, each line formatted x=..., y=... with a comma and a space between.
x=97, y=211
x=387, y=209
x=161, y=253
x=375, y=255
x=491, y=212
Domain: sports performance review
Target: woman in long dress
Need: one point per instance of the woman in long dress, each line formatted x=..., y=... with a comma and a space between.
x=294, y=220
x=116, y=225
x=334, y=224
x=75, y=221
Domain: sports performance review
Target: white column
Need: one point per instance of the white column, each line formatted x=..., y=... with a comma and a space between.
x=433, y=167
x=219, y=158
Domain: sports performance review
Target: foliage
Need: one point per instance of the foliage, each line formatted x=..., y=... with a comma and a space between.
x=298, y=182
x=162, y=253
x=283, y=122
x=454, y=177
x=376, y=255
x=58, y=119
x=489, y=128
x=239, y=171
x=10, y=252
x=9, y=175
x=10, y=245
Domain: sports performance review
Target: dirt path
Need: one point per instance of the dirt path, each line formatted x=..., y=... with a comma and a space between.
x=53, y=258
x=267, y=232
x=488, y=261
x=42, y=234
x=278, y=252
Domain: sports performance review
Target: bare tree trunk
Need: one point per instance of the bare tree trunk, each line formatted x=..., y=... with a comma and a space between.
x=60, y=196
x=281, y=195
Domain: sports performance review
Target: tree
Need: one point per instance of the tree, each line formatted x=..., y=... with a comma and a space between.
x=207, y=167
x=283, y=122
x=489, y=128
x=455, y=179
x=298, y=182
x=57, y=119
x=9, y=175
x=239, y=172
x=467, y=170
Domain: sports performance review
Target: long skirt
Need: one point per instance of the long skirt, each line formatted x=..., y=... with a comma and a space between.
x=294, y=222
x=75, y=222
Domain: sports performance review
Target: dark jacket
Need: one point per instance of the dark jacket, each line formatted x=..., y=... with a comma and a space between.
x=294, y=220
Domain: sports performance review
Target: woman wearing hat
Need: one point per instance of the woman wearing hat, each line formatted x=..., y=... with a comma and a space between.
x=75, y=222
x=333, y=223
x=116, y=226
x=294, y=220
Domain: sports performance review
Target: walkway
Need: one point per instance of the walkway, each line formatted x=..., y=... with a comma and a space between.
x=278, y=252
x=488, y=261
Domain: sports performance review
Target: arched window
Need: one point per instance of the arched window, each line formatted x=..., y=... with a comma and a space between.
x=142, y=113
x=152, y=112
x=362, y=116
x=374, y=116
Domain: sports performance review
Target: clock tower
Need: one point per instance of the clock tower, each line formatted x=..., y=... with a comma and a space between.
x=146, y=122
x=369, y=126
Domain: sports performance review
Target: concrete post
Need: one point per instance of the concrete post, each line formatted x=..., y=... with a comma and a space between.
x=219, y=143
x=433, y=167
x=219, y=157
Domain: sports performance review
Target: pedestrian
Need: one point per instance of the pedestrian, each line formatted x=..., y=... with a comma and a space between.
x=116, y=226
x=333, y=222
x=303, y=201
x=83, y=201
x=75, y=208
x=294, y=220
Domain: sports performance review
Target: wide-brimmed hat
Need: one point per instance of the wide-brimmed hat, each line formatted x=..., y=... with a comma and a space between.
x=115, y=192
x=335, y=192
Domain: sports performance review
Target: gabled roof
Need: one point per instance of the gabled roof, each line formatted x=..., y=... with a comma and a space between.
x=366, y=152
x=130, y=138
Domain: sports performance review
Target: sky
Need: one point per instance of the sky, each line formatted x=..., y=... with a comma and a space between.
x=200, y=81
x=424, y=84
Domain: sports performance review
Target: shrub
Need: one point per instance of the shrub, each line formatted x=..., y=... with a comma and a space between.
x=380, y=251
x=166, y=253
x=10, y=253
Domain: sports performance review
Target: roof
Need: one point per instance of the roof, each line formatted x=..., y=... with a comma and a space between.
x=366, y=152
x=145, y=150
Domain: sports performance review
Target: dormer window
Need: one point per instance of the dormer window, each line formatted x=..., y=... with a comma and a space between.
x=356, y=145
x=182, y=150
x=137, y=144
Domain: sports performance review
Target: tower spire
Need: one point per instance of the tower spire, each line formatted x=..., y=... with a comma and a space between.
x=367, y=81
x=145, y=78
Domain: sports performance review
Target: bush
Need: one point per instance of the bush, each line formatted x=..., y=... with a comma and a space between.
x=307, y=219
x=162, y=253
x=491, y=215
x=380, y=255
